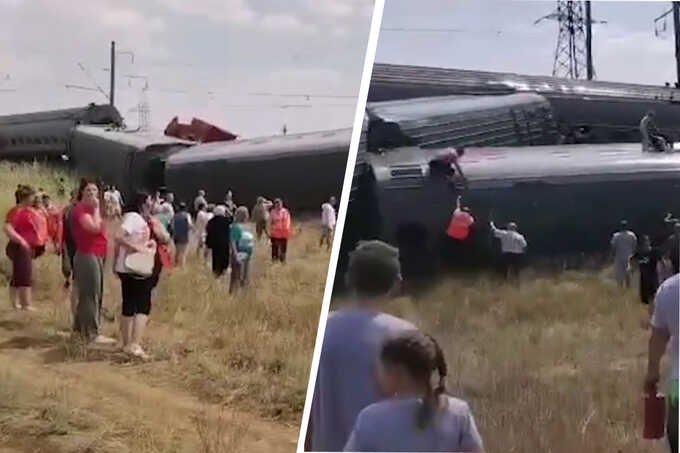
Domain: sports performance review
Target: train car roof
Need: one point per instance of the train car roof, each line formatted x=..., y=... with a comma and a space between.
x=50, y=115
x=488, y=167
x=255, y=148
x=135, y=139
x=481, y=82
x=416, y=109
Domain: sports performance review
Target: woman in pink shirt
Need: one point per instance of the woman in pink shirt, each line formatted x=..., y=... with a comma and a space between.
x=91, y=240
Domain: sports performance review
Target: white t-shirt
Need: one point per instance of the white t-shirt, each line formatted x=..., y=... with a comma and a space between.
x=346, y=380
x=391, y=425
x=665, y=315
x=327, y=215
x=202, y=219
x=511, y=241
x=136, y=227
x=167, y=208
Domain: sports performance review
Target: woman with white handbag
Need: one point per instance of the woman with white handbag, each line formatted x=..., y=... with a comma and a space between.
x=135, y=264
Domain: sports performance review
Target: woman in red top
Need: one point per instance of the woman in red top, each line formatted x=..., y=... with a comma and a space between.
x=90, y=237
x=22, y=228
x=279, y=230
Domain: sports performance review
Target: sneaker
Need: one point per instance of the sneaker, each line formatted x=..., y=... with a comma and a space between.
x=137, y=351
x=29, y=308
x=16, y=305
x=101, y=339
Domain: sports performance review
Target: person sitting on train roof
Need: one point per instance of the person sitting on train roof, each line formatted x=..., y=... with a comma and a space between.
x=513, y=247
x=652, y=139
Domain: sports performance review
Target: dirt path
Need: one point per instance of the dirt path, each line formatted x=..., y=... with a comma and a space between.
x=108, y=404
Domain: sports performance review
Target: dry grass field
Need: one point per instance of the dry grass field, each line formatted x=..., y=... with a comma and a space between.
x=228, y=373
x=555, y=365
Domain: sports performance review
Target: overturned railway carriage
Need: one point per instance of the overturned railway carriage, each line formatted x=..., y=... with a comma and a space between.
x=567, y=200
x=130, y=160
x=585, y=111
x=47, y=134
x=304, y=169
x=521, y=119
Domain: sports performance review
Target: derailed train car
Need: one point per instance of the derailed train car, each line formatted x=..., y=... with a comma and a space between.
x=130, y=160
x=585, y=111
x=521, y=119
x=567, y=199
x=302, y=169
x=47, y=134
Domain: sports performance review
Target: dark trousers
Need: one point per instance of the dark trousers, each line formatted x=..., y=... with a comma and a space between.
x=220, y=261
x=672, y=427
x=279, y=249
x=511, y=264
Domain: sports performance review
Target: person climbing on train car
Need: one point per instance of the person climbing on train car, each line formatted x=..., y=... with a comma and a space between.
x=623, y=243
x=279, y=230
x=459, y=229
x=513, y=248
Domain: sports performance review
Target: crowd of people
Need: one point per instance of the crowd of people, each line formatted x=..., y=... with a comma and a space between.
x=381, y=382
x=149, y=233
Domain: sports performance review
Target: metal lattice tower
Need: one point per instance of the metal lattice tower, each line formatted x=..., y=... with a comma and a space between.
x=571, y=59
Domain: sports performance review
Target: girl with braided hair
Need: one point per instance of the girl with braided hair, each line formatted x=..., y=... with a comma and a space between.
x=418, y=417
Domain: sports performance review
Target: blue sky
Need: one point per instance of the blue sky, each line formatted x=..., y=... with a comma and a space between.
x=500, y=36
x=201, y=58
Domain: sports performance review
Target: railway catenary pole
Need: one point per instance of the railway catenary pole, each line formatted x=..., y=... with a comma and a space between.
x=113, y=73
x=676, y=30
x=589, y=42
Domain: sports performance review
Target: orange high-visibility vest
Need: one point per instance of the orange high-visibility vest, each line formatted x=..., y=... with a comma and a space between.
x=279, y=223
x=459, y=227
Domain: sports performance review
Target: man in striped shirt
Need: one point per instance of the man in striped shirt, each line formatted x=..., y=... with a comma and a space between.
x=513, y=246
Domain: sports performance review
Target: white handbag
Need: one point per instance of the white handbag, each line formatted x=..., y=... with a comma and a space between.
x=141, y=264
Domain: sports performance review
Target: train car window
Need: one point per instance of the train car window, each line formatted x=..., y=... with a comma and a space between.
x=13, y=141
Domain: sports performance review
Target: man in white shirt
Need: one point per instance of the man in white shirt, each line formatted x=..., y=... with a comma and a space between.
x=624, y=244
x=664, y=328
x=327, y=222
x=168, y=204
x=346, y=380
x=513, y=247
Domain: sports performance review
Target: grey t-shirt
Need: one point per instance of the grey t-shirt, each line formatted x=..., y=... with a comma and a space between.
x=624, y=244
x=346, y=381
x=391, y=426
